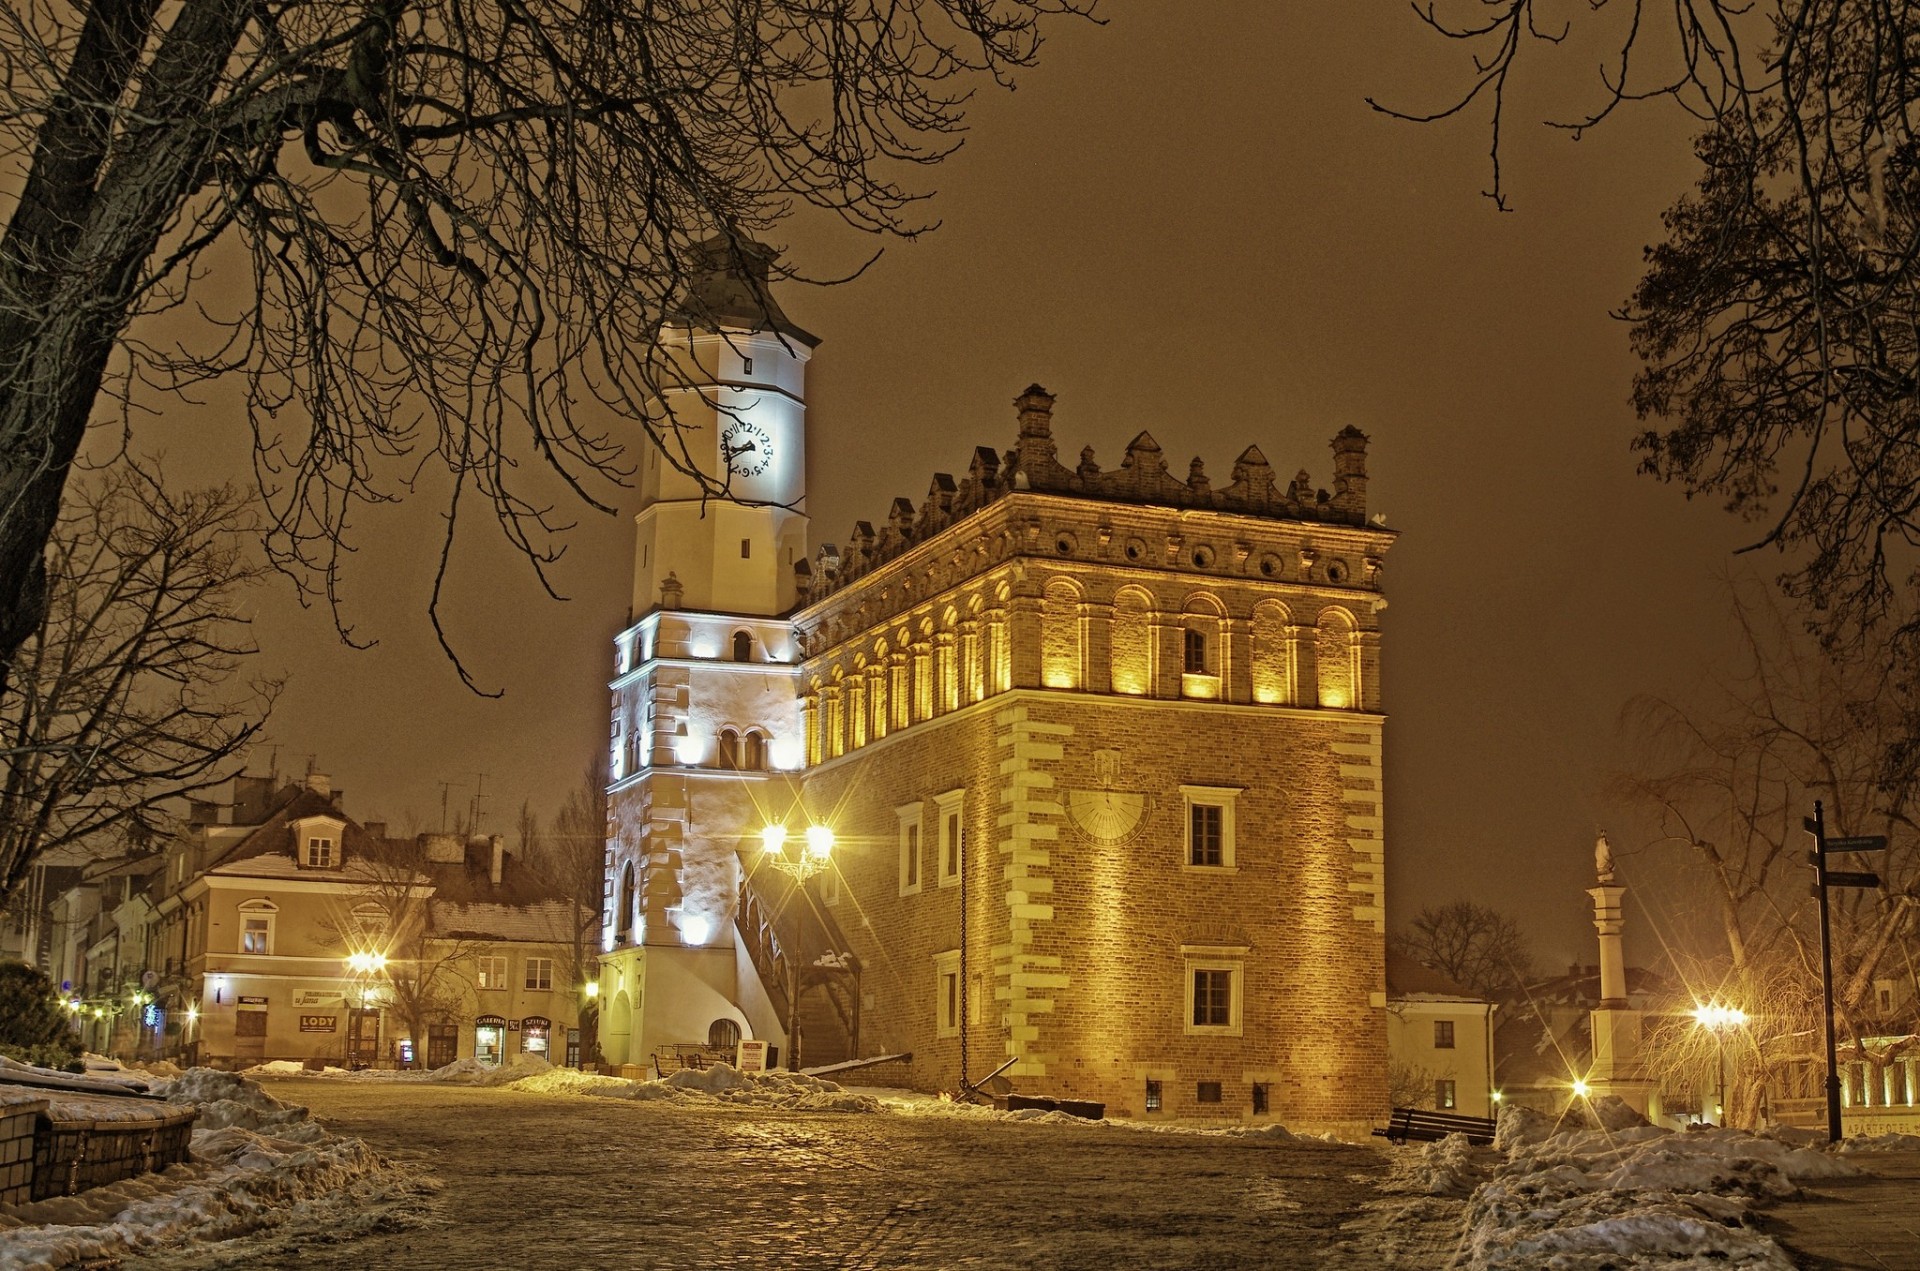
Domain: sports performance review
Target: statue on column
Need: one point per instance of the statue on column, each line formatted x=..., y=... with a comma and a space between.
x=1603, y=859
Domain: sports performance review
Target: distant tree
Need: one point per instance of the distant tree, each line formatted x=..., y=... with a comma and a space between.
x=438, y=228
x=427, y=977
x=1729, y=778
x=33, y=1023
x=1409, y=1085
x=572, y=860
x=1476, y=945
x=130, y=693
x=1777, y=319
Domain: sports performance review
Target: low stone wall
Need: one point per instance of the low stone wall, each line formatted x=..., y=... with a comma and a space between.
x=19, y=1114
x=73, y=1156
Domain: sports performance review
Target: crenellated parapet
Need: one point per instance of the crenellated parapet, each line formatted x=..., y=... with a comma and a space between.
x=1142, y=479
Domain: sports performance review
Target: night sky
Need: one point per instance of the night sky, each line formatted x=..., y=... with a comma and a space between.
x=1187, y=221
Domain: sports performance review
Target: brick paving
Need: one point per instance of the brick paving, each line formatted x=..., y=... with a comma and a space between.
x=1871, y=1222
x=591, y=1183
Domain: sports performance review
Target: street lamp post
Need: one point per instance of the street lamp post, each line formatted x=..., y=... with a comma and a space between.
x=363, y=966
x=800, y=865
x=1718, y=1019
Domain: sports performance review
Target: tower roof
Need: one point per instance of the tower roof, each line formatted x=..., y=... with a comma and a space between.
x=727, y=287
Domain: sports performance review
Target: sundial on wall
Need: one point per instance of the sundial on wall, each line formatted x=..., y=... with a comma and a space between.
x=1105, y=814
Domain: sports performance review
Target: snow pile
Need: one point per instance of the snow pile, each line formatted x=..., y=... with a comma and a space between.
x=257, y=1163
x=570, y=1081
x=472, y=1072
x=1638, y=1196
x=1446, y=1168
x=726, y=1085
x=1893, y=1141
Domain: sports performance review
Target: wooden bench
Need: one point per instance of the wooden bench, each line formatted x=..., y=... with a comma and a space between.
x=668, y=1060
x=1418, y=1125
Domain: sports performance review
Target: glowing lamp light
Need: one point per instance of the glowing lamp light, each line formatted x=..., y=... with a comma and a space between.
x=1718, y=1017
x=695, y=928
x=366, y=963
x=773, y=839
x=1579, y=1089
x=819, y=842
x=1333, y=699
x=591, y=988
x=193, y=1015
x=785, y=753
x=1496, y=1096
x=689, y=749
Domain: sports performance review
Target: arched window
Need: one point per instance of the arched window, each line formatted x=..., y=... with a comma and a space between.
x=1336, y=661
x=723, y=1034
x=256, y=925
x=1273, y=673
x=754, y=756
x=1060, y=635
x=742, y=646
x=623, y=921
x=729, y=748
x=1132, y=642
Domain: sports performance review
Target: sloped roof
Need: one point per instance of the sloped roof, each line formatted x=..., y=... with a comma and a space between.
x=253, y=855
x=1408, y=979
x=546, y=921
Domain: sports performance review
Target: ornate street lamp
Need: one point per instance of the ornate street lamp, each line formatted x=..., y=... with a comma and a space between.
x=1720, y=1020
x=803, y=862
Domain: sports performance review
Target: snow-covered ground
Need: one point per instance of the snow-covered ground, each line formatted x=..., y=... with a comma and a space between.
x=257, y=1163
x=1579, y=1200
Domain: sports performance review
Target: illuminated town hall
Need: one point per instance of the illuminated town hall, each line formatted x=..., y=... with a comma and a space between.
x=1073, y=767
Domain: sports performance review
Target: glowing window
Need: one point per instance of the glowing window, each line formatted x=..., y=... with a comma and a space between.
x=256, y=926
x=1153, y=1096
x=1194, y=652
x=1444, y=1095
x=491, y=972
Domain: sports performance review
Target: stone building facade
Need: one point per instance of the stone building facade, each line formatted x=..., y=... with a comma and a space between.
x=1101, y=753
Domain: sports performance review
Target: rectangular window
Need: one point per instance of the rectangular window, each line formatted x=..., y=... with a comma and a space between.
x=319, y=853
x=1212, y=998
x=1214, y=989
x=952, y=845
x=746, y=549
x=1206, y=834
x=493, y=972
x=910, y=862
x=1443, y=1095
x=946, y=985
x=1194, y=652
x=539, y=973
x=1153, y=1096
x=256, y=935
x=1210, y=828
x=746, y=366
x=1207, y=1092
x=1261, y=1104
x=1443, y=1034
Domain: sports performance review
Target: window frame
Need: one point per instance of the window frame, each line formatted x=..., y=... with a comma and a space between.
x=912, y=872
x=1212, y=960
x=527, y=974
x=1225, y=798
x=951, y=832
x=325, y=843
x=1444, y=1035
x=483, y=971
x=949, y=1001
x=265, y=911
x=1446, y=1094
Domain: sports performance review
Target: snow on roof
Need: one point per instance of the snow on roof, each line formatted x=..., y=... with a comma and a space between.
x=1408, y=979
x=543, y=922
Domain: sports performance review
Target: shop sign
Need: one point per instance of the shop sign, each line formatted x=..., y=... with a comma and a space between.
x=319, y=1023
x=253, y=1001
x=752, y=1056
x=318, y=997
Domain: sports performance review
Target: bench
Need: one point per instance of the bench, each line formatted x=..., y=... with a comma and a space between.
x=668, y=1060
x=1418, y=1125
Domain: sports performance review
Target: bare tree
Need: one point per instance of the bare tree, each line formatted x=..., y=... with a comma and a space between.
x=1730, y=780
x=129, y=694
x=1778, y=319
x=572, y=861
x=448, y=226
x=425, y=975
x=1474, y=944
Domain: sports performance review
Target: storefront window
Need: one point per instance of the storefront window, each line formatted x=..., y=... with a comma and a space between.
x=535, y=1035
x=489, y=1039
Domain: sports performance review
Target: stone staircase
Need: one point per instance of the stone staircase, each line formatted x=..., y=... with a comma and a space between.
x=799, y=950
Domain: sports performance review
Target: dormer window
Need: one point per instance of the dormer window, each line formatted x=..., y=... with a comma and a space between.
x=320, y=852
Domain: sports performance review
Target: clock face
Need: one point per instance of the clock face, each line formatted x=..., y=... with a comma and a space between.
x=746, y=448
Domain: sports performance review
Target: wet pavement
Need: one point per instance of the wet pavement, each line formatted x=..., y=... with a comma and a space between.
x=1870, y=1222
x=589, y=1183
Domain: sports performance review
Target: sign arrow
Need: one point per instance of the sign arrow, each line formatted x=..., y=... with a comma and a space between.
x=1837, y=879
x=1865, y=843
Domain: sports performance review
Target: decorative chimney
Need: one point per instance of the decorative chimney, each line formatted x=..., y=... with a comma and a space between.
x=671, y=591
x=499, y=846
x=1350, y=472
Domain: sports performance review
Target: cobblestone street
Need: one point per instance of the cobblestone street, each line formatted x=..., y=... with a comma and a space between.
x=590, y=1183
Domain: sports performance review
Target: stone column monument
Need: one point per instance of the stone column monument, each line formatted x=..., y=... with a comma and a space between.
x=1617, y=1065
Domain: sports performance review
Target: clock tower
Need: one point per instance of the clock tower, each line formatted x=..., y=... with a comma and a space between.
x=736, y=412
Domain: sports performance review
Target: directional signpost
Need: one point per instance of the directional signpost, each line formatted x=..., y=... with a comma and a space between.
x=1824, y=878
